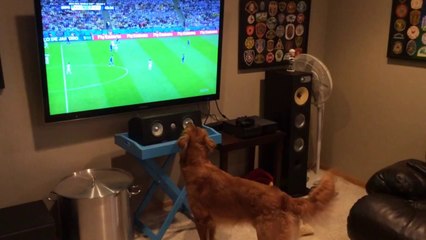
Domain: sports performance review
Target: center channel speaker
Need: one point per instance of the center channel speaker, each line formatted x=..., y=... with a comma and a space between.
x=147, y=130
x=287, y=101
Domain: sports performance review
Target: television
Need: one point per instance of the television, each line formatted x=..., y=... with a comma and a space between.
x=101, y=57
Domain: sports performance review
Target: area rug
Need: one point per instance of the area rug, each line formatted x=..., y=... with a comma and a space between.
x=328, y=225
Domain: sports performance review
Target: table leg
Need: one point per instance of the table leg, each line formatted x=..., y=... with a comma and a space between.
x=148, y=196
x=167, y=185
x=223, y=161
x=178, y=196
x=250, y=159
x=278, y=163
x=176, y=207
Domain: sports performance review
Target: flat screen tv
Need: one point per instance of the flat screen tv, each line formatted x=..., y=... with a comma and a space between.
x=100, y=57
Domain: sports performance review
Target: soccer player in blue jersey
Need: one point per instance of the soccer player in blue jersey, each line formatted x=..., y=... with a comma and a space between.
x=111, y=61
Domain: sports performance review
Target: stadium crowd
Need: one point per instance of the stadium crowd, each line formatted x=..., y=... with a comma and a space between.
x=129, y=16
x=200, y=14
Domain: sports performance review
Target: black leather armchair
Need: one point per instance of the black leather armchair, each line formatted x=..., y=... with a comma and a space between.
x=395, y=207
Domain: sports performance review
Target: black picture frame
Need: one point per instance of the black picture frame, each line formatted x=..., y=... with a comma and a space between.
x=407, y=30
x=268, y=29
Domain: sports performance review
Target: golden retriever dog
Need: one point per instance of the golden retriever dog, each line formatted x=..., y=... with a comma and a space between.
x=216, y=197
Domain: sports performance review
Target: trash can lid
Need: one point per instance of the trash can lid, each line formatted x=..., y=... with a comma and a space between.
x=94, y=183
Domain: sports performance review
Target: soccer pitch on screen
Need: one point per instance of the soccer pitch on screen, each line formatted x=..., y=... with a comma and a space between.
x=89, y=75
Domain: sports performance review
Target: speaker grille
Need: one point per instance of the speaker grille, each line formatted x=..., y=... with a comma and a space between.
x=157, y=129
x=298, y=145
x=301, y=96
x=299, y=120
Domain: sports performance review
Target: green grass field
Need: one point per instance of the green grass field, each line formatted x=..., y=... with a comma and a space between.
x=95, y=84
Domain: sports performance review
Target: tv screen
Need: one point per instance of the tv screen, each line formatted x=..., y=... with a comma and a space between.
x=101, y=57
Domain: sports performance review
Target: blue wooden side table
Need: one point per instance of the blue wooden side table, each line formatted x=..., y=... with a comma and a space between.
x=146, y=156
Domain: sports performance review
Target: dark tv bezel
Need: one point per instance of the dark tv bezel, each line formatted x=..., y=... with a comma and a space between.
x=121, y=109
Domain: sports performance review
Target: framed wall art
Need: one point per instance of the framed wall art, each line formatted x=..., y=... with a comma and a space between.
x=407, y=34
x=269, y=29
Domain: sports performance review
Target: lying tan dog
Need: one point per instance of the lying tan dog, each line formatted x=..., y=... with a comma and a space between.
x=216, y=197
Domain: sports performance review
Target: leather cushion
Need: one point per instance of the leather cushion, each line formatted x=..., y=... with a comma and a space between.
x=406, y=179
x=381, y=216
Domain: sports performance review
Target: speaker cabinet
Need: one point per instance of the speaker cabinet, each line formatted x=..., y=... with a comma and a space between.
x=147, y=130
x=287, y=100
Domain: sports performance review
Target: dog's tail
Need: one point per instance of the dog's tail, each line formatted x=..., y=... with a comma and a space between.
x=317, y=199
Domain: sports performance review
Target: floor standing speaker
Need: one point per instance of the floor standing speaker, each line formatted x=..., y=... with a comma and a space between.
x=287, y=100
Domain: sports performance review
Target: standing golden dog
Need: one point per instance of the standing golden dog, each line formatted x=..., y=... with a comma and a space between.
x=216, y=197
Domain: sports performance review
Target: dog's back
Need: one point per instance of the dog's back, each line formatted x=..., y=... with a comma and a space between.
x=229, y=198
x=216, y=196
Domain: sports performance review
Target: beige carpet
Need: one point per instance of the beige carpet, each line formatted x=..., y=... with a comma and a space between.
x=328, y=225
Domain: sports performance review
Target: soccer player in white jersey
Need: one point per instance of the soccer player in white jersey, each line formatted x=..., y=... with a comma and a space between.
x=69, y=68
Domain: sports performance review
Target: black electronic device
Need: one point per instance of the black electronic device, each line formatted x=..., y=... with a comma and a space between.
x=94, y=62
x=251, y=126
x=27, y=221
x=244, y=122
x=151, y=129
x=287, y=101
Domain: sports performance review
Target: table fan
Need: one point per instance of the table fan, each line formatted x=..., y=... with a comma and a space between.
x=322, y=86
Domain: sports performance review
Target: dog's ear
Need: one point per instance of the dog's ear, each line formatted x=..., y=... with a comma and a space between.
x=182, y=142
x=210, y=144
